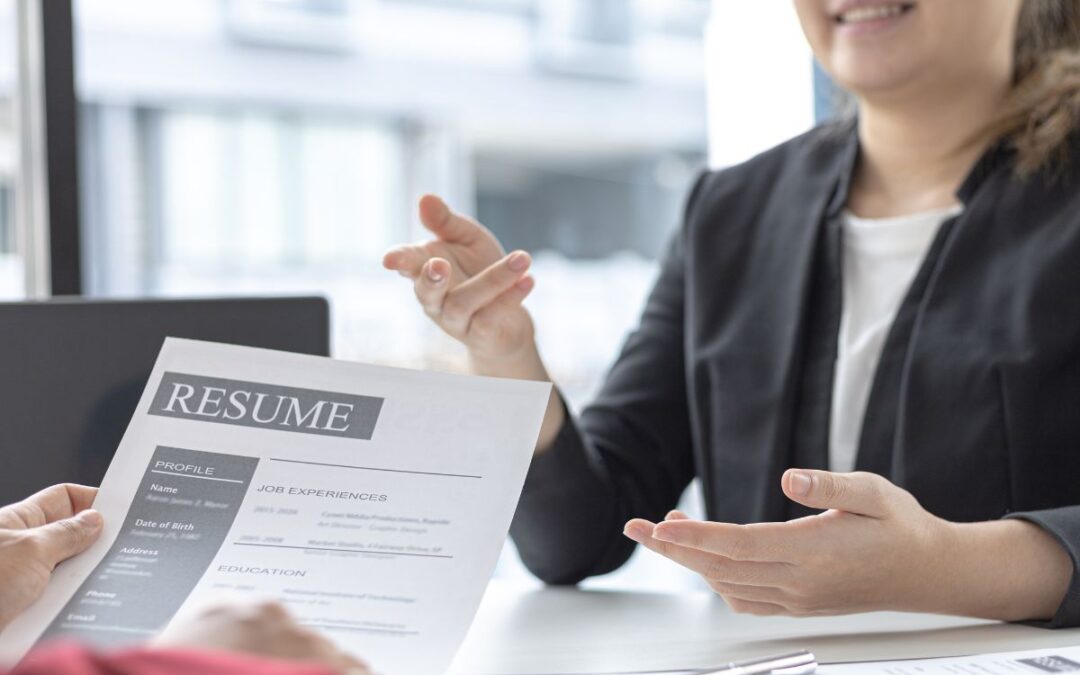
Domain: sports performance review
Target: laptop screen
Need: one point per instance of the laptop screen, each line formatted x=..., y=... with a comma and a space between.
x=72, y=372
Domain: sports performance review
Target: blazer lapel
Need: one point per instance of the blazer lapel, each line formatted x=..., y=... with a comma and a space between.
x=755, y=355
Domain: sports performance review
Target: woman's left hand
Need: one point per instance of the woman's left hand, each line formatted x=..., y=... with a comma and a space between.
x=873, y=548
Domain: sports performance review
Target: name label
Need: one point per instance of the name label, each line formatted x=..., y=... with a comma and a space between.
x=266, y=406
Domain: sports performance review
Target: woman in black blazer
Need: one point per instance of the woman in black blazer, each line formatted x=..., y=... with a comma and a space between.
x=966, y=498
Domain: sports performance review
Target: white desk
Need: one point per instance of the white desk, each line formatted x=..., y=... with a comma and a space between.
x=565, y=631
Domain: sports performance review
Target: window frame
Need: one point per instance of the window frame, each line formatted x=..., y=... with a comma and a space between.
x=47, y=188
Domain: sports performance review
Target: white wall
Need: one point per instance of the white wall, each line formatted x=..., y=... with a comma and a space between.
x=760, y=78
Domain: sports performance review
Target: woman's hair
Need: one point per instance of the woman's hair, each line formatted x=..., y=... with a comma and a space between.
x=1042, y=113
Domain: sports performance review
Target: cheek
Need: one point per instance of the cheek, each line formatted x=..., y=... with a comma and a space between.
x=816, y=26
x=978, y=36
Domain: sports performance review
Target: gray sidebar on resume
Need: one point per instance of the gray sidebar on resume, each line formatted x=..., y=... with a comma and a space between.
x=186, y=504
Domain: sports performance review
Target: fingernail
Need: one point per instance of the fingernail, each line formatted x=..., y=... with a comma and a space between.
x=800, y=483
x=665, y=534
x=637, y=531
x=518, y=262
x=433, y=275
x=89, y=518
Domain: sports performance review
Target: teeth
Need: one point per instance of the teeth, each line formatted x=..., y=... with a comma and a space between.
x=871, y=13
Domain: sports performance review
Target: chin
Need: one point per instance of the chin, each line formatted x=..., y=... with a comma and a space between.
x=870, y=45
x=873, y=79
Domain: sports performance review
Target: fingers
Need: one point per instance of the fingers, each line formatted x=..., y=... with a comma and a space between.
x=314, y=646
x=51, y=504
x=755, y=608
x=431, y=286
x=81, y=497
x=762, y=542
x=470, y=297
x=860, y=493
x=486, y=322
x=748, y=593
x=407, y=260
x=350, y=665
x=447, y=225
x=68, y=537
x=495, y=289
x=281, y=635
x=712, y=567
x=263, y=628
x=759, y=588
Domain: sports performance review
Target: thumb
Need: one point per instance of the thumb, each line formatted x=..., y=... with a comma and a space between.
x=445, y=224
x=65, y=538
x=862, y=493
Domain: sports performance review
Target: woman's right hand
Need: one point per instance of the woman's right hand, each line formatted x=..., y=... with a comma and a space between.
x=264, y=629
x=471, y=288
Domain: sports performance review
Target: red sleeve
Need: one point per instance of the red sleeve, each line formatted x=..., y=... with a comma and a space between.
x=69, y=659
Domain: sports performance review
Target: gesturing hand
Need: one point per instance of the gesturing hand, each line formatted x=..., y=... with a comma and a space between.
x=874, y=548
x=467, y=284
x=36, y=535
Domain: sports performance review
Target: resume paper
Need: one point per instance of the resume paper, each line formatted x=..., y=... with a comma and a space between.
x=1060, y=660
x=373, y=502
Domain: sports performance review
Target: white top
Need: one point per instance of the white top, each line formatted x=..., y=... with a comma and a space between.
x=881, y=257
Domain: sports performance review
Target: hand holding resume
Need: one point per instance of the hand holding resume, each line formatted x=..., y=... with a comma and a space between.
x=373, y=502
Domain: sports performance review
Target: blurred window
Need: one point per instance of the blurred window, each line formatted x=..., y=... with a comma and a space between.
x=11, y=264
x=279, y=146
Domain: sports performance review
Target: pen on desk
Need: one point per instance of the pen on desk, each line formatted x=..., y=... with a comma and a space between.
x=799, y=663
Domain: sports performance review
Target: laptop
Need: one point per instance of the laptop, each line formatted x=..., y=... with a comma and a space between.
x=72, y=372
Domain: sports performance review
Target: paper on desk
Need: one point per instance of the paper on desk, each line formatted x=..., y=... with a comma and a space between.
x=1059, y=660
x=372, y=501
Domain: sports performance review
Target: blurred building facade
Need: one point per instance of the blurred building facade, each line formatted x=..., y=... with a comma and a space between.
x=235, y=147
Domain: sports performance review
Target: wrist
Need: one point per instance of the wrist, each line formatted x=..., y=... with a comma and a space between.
x=526, y=365
x=1006, y=570
x=522, y=364
x=924, y=581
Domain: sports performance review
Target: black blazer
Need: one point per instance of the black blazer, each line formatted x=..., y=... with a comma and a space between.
x=975, y=407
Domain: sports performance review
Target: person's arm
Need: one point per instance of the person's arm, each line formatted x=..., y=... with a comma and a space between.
x=1058, y=531
x=57, y=523
x=627, y=455
x=71, y=659
x=473, y=290
x=251, y=639
x=630, y=452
